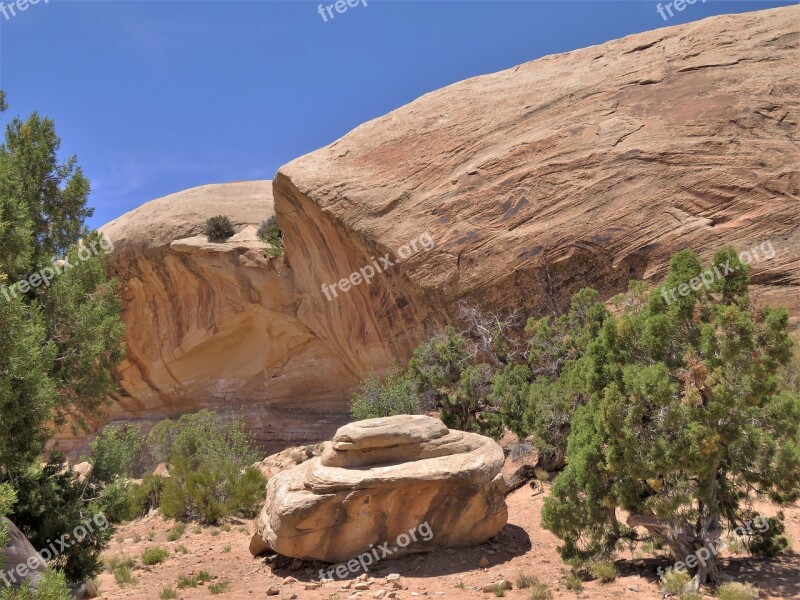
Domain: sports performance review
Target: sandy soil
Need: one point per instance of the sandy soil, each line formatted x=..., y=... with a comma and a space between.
x=522, y=547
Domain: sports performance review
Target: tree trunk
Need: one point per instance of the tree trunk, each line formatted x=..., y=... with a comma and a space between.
x=520, y=477
x=684, y=543
x=551, y=461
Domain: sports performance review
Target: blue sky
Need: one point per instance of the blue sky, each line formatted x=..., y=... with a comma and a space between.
x=155, y=97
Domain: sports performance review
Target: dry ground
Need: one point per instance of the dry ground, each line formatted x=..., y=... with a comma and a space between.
x=522, y=547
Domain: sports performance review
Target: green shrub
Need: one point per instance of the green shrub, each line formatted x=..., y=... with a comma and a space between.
x=202, y=437
x=772, y=540
x=271, y=234
x=227, y=549
x=212, y=491
x=7, y=499
x=51, y=586
x=499, y=591
x=194, y=580
x=396, y=394
x=168, y=594
x=219, y=588
x=674, y=582
x=445, y=378
x=123, y=575
x=51, y=504
x=114, y=452
x=154, y=555
x=691, y=596
x=210, y=464
x=540, y=590
x=572, y=581
x=219, y=228
x=737, y=591
x=181, y=549
x=525, y=581
x=604, y=571
x=144, y=496
x=176, y=532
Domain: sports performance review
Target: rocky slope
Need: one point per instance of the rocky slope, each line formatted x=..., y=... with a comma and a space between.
x=585, y=168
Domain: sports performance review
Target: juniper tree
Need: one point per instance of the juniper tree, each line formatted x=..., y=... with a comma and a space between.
x=538, y=398
x=59, y=341
x=686, y=422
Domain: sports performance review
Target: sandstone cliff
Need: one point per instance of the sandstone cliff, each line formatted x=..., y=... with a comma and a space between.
x=585, y=168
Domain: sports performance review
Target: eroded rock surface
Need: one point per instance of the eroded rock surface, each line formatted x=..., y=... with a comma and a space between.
x=587, y=168
x=381, y=478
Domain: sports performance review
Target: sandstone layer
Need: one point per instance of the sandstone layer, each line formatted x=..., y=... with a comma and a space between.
x=381, y=478
x=214, y=325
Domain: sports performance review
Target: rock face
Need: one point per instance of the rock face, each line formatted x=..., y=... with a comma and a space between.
x=214, y=325
x=381, y=478
x=586, y=168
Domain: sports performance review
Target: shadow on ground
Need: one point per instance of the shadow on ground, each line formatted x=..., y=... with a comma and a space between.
x=511, y=542
x=778, y=577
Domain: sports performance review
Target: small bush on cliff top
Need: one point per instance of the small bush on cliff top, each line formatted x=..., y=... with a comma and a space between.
x=219, y=228
x=271, y=234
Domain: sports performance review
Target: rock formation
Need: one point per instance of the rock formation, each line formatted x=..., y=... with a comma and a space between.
x=381, y=478
x=585, y=168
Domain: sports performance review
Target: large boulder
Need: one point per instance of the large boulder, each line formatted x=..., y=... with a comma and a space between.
x=21, y=562
x=379, y=480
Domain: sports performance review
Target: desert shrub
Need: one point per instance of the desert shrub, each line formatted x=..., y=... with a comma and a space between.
x=51, y=586
x=193, y=581
x=211, y=491
x=200, y=437
x=691, y=596
x=168, y=593
x=113, y=561
x=572, y=581
x=396, y=394
x=123, y=574
x=176, y=532
x=115, y=501
x=114, y=452
x=525, y=581
x=520, y=450
x=144, y=496
x=769, y=540
x=210, y=464
x=270, y=233
x=604, y=571
x=539, y=590
x=219, y=588
x=219, y=228
x=674, y=582
x=446, y=378
x=737, y=591
x=154, y=555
